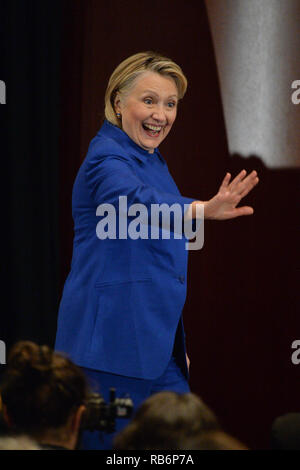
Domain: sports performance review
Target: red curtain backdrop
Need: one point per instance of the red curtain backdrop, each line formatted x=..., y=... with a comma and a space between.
x=240, y=315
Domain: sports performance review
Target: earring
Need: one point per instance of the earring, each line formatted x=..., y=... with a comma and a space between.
x=118, y=115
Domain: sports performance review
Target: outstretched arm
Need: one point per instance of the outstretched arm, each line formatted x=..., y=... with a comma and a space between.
x=223, y=205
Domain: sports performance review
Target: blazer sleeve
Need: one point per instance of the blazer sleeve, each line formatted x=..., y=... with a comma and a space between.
x=109, y=177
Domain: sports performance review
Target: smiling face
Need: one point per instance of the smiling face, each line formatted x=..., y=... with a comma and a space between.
x=149, y=110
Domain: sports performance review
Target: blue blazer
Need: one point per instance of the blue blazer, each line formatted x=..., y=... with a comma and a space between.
x=122, y=301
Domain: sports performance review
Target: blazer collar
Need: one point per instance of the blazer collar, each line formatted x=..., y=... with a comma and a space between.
x=114, y=132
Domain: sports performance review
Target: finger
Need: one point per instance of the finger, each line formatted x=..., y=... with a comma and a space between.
x=246, y=184
x=239, y=211
x=237, y=179
x=249, y=187
x=245, y=210
x=251, y=176
x=225, y=181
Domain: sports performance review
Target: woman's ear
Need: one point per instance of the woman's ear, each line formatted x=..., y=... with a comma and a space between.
x=117, y=103
x=77, y=418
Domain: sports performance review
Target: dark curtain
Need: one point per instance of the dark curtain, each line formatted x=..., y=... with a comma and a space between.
x=30, y=63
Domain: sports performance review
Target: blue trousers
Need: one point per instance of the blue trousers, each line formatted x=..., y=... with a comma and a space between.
x=138, y=389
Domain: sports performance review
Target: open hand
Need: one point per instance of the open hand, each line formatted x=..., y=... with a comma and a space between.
x=223, y=205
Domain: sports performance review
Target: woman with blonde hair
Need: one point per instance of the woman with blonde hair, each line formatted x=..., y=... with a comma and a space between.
x=120, y=316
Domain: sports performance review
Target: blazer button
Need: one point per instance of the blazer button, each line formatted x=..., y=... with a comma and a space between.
x=181, y=279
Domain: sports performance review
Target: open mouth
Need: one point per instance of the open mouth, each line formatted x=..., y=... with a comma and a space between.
x=152, y=130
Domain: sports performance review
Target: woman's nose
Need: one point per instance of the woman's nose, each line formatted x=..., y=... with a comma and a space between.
x=159, y=114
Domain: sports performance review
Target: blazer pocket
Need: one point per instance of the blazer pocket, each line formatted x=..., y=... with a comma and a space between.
x=98, y=285
x=120, y=309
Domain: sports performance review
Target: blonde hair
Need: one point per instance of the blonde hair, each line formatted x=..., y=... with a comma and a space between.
x=127, y=71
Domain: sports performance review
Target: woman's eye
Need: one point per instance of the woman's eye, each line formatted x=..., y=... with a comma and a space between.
x=148, y=100
x=171, y=104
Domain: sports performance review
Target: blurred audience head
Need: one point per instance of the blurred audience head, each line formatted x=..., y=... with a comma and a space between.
x=168, y=420
x=43, y=395
x=18, y=443
x=285, y=432
x=217, y=440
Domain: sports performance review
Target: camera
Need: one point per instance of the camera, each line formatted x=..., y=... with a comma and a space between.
x=101, y=416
